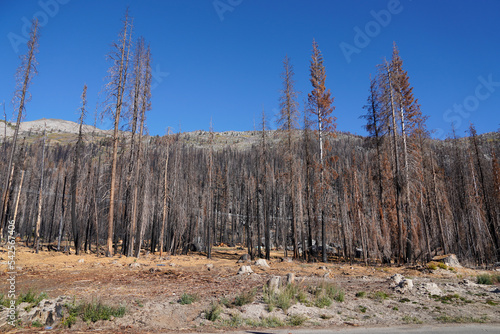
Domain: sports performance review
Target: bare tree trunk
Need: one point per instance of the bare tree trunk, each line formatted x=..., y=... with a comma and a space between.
x=40, y=200
x=18, y=194
x=59, y=238
x=26, y=70
x=117, y=88
x=165, y=199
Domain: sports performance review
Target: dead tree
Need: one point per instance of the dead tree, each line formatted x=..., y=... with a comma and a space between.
x=116, y=88
x=24, y=75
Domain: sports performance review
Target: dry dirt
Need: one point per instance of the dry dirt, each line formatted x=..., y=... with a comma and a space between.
x=150, y=288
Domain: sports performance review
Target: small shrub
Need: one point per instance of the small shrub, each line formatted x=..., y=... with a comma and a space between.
x=245, y=298
x=213, y=313
x=69, y=321
x=362, y=309
x=271, y=322
x=37, y=323
x=432, y=266
x=395, y=308
x=460, y=319
x=379, y=296
x=303, y=298
x=97, y=311
x=296, y=319
x=361, y=294
x=187, y=299
x=491, y=302
x=442, y=265
x=411, y=320
x=235, y=321
x=224, y=301
x=325, y=316
x=404, y=300
x=323, y=301
x=91, y=312
x=4, y=302
x=340, y=296
x=31, y=297
x=485, y=279
x=284, y=301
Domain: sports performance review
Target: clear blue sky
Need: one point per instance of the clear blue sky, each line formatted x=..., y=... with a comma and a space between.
x=225, y=63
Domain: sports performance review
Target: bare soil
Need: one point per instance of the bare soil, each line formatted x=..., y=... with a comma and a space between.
x=150, y=288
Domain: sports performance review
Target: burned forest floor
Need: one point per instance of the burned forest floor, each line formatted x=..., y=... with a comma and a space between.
x=59, y=292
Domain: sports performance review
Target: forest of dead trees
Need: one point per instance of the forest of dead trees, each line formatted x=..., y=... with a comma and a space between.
x=395, y=196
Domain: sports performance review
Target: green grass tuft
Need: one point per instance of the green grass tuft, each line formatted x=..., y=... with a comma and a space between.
x=213, y=312
x=91, y=312
x=246, y=297
x=187, y=299
x=361, y=294
x=296, y=319
x=488, y=279
x=411, y=320
x=379, y=296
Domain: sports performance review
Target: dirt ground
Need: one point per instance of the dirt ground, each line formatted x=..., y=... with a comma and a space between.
x=150, y=288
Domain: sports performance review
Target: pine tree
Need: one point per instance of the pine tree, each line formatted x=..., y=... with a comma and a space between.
x=25, y=73
x=287, y=123
x=320, y=105
x=74, y=178
x=116, y=91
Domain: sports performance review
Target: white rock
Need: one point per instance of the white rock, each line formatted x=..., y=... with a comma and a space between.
x=430, y=288
x=245, y=270
x=261, y=263
x=397, y=278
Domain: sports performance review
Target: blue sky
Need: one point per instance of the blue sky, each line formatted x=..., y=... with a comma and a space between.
x=222, y=59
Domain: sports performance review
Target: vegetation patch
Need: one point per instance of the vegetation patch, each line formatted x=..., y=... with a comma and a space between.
x=448, y=299
x=31, y=297
x=361, y=294
x=461, y=319
x=187, y=299
x=213, y=312
x=91, y=312
x=407, y=319
x=379, y=296
x=246, y=297
x=488, y=279
x=296, y=319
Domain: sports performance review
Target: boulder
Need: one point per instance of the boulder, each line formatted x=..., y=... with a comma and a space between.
x=450, y=260
x=405, y=285
x=209, y=266
x=430, y=288
x=134, y=265
x=467, y=282
x=245, y=270
x=397, y=278
x=261, y=263
x=48, y=312
x=81, y=260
